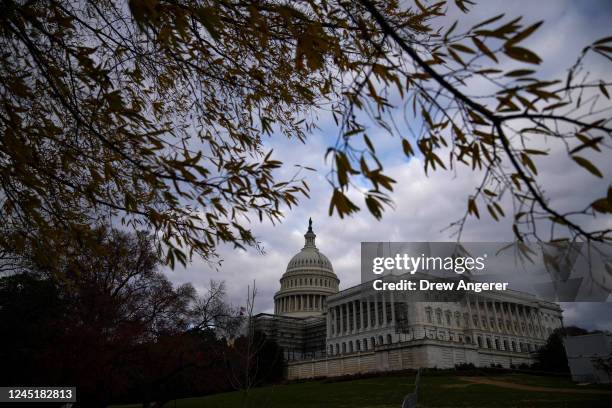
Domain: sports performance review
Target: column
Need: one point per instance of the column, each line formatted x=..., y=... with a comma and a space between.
x=354, y=303
x=469, y=306
x=487, y=316
x=332, y=312
x=506, y=315
x=479, y=317
x=384, y=306
x=392, y=310
x=361, y=315
x=376, y=323
x=369, y=314
x=341, y=311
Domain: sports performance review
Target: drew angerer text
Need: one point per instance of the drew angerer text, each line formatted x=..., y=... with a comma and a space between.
x=424, y=284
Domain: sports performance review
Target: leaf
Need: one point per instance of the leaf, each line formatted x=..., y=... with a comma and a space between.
x=484, y=49
x=527, y=162
x=492, y=212
x=450, y=30
x=462, y=48
x=520, y=72
x=603, y=40
x=342, y=204
x=488, y=21
x=369, y=143
x=586, y=142
x=536, y=152
x=472, y=208
x=602, y=88
x=374, y=206
x=522, y=54
x=407, y=148
x=602, y=205
x=587, y=165
x=523, y=34
x=489, y=193
x=555, y=106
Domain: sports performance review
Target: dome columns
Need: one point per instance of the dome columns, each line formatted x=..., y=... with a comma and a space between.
x=300, y=303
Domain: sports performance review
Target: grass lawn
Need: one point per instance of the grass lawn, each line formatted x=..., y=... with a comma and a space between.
x=436, y=391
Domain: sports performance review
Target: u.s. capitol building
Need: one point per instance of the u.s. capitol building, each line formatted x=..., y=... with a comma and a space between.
x=327, y=332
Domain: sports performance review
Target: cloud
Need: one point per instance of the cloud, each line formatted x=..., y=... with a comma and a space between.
x=424, y=206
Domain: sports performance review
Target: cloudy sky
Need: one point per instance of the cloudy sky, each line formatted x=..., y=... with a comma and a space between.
x=424, y=206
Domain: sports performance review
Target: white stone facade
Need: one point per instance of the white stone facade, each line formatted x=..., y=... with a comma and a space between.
x=503, y=321
x=367, y=330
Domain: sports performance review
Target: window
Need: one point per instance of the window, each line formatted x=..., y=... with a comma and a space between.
x=428, y=314
x=380, y=340
x=389, y=339
x=479, y=341
x=448, y=318
x=365, y=344
x=357, y=345
x=497, y=344
x=475, y=320
x=439, y=316
x=488, y=343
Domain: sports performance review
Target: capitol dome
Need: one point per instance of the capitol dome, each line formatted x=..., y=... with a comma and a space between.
x=307, y=281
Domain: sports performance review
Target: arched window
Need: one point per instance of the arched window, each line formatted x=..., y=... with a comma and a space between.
x=505, y=344
x=365, y=344
x=497, y=344
x=513, y=347
x=350, y=347
x=343, y=348
x=331, y=349
x=488, y=343
x=448, y=318
x=479, y=341
x=389, y=339
x=380, y=340
x=428, y=314
x=373, y=342
x=439, y=316
x=357, y=345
